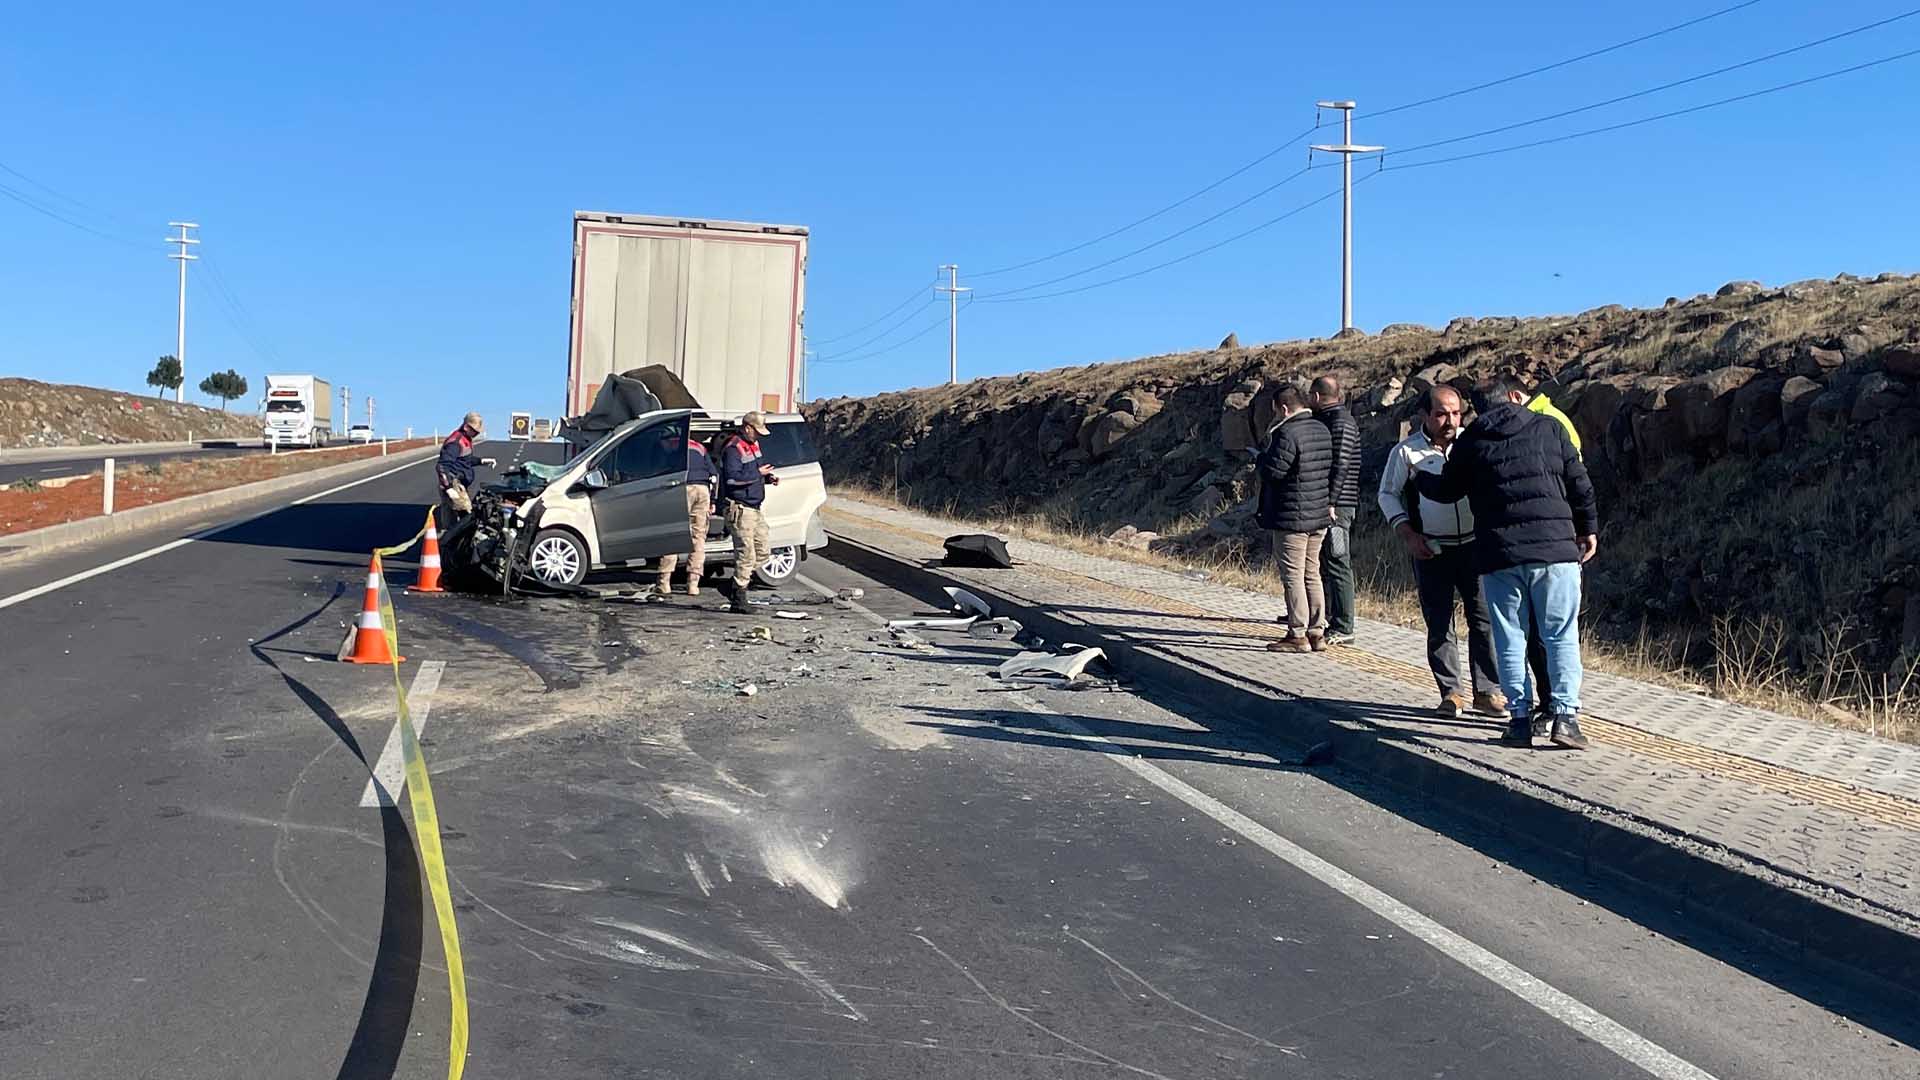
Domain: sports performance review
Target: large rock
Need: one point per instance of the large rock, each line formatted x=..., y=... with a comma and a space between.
x=1815, y=362
x=1429, y=377
x=1142, y=405
x=1464, y=322
x=1828, y=413
x=1855, y=346
x=1741, y=288
x=1236, y=417
x=1902, y=361
x=1877, y=396
x=1796, y=400
x=1402, y=328
x=1384, y=396
x=1209, y=502
x=1742, y=341
x=1590, y=404
x=1231, y=341
x=1753, y=422
x=1705, y=402
x=1108, y=430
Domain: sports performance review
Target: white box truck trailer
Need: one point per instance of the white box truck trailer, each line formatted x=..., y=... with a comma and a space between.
x=299, y=411
x=721, y=304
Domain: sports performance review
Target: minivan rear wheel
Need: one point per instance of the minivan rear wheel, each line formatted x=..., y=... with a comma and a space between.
x=781, y=565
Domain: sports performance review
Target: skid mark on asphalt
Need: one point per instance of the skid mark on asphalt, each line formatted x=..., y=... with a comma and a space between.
x=1176, y=1003
x=1030, y=1021
x=799, y=967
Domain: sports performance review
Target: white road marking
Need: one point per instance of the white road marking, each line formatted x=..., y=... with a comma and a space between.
x=70, y=579
x=389, y=777
x=1582, y=1018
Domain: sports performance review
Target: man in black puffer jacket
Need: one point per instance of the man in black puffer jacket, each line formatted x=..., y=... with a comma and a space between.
x=1535, y=521
x=1336, y=556
x=1296, y=471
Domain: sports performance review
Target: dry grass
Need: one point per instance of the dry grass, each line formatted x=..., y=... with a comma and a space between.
x=1746, y=661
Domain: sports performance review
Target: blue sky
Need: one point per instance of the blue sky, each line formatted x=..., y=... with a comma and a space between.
x=389, y=195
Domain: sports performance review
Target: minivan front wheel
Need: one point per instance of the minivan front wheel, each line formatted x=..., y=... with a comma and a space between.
x=779, y=568
x=557, y=557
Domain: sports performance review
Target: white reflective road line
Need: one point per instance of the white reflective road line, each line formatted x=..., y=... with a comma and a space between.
x=389, y=777
x=1582, y=1018
x=42, y=590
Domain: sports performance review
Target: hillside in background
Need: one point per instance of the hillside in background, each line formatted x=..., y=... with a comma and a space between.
x=1758, y=451
x=54, y=414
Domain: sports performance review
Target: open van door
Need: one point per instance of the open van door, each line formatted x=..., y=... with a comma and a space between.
x=638, y=493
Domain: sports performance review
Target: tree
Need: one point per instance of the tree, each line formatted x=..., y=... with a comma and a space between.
x=225, y=385
x=165, y=375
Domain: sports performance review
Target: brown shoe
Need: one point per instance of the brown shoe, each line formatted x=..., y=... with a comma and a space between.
x=1490, y=703
x=1316, y=641
x=1290, y=645
x=1455, y=705
x=693, y=587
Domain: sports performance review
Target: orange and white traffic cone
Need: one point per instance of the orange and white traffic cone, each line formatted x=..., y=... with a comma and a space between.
x=367, y=641
x=429, y=581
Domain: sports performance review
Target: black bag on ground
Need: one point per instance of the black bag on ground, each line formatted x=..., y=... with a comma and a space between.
x=978, y=550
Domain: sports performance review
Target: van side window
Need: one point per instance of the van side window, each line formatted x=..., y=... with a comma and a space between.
x=787, y=444
x=650, y=453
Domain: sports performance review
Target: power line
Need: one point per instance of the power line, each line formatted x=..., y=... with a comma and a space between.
x=1110, y=234
x=888, y=332
x=916, y=294
x=236, y=312
x=896, y=346
x=1560, y=63
x=31, y=204
x=64, y=197
x=1660, y=116
x=1269, y=189
x=1663, y=86
x=1196, y=253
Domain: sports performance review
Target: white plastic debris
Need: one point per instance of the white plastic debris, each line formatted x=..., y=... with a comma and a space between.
x=1065, y=668
x=851, y=594
x=965, y=603
x=994, y=628
x=933, y=624
x=746, y=689
x=795, y=615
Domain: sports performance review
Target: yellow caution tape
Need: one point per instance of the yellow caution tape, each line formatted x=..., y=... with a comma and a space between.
x=426, y=829
x=398, y=548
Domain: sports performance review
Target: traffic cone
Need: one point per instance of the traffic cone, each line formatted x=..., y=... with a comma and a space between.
x=367, y=641
x=429, y=580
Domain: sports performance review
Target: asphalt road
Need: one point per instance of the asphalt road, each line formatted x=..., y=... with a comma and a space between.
x=86, y=460
x=879, y=864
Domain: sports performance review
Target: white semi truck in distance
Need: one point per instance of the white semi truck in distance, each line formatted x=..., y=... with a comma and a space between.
x=720, y=304
x=299, y=411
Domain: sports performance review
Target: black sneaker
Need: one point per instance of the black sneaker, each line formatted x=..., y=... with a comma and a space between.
x=1566, y=732
x=1542, y=725
x=1519, y=732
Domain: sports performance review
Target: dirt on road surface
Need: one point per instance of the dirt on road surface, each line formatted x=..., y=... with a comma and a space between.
x=25, y=506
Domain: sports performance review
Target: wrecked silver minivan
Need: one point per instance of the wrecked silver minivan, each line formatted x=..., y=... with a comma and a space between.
x=619, y=501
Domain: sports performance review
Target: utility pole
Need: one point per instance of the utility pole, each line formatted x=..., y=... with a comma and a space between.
x=1346, y=150
x=346, y=409
x=953, y=290
x=183, y=256
x=369, y=414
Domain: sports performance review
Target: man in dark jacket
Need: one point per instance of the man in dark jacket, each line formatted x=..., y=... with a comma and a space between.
x=455, y=469
x=743, y=488
x=1295, y=473
x=1535, y=521
x=1336, y=556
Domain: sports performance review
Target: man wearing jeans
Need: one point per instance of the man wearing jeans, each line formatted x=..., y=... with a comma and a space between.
x=1295, y=471
x=1535, y=521
x=1336, y=557
x=1439, y=537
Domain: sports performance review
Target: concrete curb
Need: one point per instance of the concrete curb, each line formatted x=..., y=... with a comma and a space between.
x=19, y=547
x=1726, y=892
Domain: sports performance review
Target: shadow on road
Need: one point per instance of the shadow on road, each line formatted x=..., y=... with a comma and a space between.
x=387, y=1010
x=329, y=526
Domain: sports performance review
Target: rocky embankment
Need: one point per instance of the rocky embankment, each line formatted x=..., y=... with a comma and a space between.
x=1755, y=446
x=35, y=413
